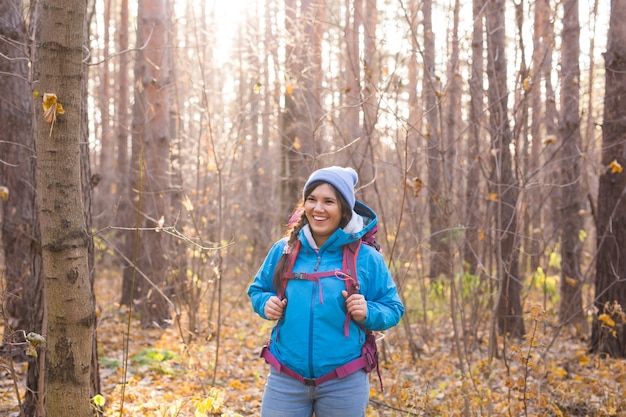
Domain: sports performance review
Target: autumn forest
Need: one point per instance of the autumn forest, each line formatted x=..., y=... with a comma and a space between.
x=152, y=151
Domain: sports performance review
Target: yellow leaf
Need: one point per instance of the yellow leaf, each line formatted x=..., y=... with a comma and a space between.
x=98, y=400
x=289, y=89
x=51, y=109
x=606, y=319
x=583, y=360
x=526, y=83
x=257, y=88
x=236, y=384
x=615, y=167
x=4, y=193
x=559, y=372
x=296, y=143
x=493, y=196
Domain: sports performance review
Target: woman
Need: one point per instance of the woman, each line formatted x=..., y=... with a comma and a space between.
x=312, y=338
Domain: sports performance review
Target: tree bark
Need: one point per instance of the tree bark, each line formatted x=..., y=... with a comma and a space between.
x=17, y=173
x=104, y=195
x=70, y=311
x=301, y=113
x=472, y=188
x=503, y=189
x=610, y=283
x=438, y=180
x=571, y=308
x=363, y=154
x=150, y=181
x=23, y=304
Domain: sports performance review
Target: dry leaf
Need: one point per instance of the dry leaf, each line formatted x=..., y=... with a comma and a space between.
x=615, y=166
x=51, y=109
x=418, y=184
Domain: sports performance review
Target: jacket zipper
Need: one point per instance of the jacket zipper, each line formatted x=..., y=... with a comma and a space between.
x=312, y=309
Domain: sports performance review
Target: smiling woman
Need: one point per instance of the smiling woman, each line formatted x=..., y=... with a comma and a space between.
x=318, y=302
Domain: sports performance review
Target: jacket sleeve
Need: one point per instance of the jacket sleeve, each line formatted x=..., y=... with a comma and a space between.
x=384, y=307
x=262, y=287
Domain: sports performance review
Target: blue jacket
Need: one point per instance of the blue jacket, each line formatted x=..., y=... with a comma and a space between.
x=310, y=338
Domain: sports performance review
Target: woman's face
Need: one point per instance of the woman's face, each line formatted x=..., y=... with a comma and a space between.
x=323, y=211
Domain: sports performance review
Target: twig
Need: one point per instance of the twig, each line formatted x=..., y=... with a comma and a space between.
x=391, y=407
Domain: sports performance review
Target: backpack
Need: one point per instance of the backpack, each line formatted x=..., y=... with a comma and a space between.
x=369, y=352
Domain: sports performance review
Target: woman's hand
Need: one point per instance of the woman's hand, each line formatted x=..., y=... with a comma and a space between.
x=356, y=305
x=275, y=307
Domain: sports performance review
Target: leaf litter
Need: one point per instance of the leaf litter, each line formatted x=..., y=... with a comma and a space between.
x=166, y=377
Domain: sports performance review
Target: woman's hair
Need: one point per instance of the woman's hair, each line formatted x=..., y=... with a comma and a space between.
x=298, y=221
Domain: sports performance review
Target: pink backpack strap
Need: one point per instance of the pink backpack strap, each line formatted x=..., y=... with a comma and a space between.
x=350, y=253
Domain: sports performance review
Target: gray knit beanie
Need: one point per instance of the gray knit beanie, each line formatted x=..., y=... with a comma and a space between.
x=343, y=179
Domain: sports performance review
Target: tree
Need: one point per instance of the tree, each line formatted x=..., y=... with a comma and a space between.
x=17, y=169
x=301, y=112
x=472, y=220
x=608, y=330
x=571, y=310
x=543, y=124
x=22, y=303
x=150, y=166
x=438, y=180
x=68, y=297
x=508, y=313
x=106, y=162
x=362, y=157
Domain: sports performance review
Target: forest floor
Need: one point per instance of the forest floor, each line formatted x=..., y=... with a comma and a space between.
x=164, y=377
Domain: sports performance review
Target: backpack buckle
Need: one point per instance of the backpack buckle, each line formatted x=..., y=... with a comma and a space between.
x=309, y=382
x=299, y=275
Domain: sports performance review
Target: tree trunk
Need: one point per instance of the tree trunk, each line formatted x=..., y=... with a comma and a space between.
x=571, y=310
x=23, y=304
x=350, y=126
x=472, y=188
x=504, y=189
x=17, y=173
x=363, y=154
x=150, y=167
x=104, y=195
x=70, y=311
x=301, y=113
x=125, y=215
x=539, y=129
x=438, y=185
x=609, y=338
